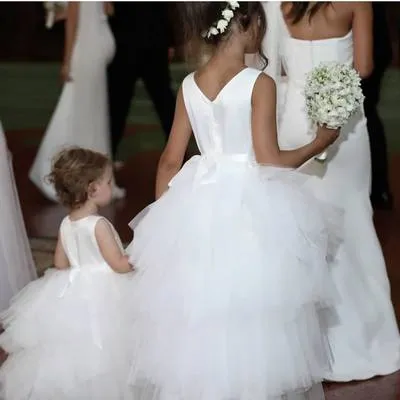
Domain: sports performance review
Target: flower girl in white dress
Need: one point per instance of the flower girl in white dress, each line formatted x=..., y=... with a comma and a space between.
x=231, y=259
x=81, y=115
x=16, y=263
x=66, y=332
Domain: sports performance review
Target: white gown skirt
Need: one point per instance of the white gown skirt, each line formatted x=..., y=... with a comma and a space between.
x=81, y=115
x=232, y=294
x=67, y=338
x=16, y=263
x=367, y=342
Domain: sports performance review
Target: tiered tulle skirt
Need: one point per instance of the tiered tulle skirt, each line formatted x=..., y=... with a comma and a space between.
x=67, y=339
x=233, y=298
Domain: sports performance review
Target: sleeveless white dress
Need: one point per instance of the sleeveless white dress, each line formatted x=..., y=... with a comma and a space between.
x=366, y=342
x=231, y=268
x=16, y=263
x=66, y=333
x=81, y=115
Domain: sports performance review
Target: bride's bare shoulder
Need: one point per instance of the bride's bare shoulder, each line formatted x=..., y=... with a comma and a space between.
x=350, y=6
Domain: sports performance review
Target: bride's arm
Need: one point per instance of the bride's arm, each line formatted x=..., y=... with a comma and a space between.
x=363, y=38
x=71, y=28
x=264, y=131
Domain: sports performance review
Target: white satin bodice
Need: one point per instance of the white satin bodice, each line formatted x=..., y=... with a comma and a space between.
x=224, y=124
x=80, y=243
x=299, y=57
x=221, y=127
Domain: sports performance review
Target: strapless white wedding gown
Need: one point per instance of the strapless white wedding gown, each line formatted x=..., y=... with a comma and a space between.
x=366, y=342
x=81, y=115
x=16, y=263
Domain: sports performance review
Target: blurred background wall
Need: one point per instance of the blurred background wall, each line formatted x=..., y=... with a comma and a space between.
x=24, y=36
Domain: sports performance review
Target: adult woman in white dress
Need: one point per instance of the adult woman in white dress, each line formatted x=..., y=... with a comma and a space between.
x=300, y=36
x=81, y=115
x=16, y=263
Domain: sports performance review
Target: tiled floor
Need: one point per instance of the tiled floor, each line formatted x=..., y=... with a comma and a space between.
x=42, y=220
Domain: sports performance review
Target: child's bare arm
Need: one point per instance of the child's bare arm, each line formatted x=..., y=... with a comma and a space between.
x=172, y=157
x=110, y=249
x=264, y=130
x=60, y=258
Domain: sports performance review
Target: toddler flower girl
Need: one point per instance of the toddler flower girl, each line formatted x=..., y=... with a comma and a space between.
x=66, y=333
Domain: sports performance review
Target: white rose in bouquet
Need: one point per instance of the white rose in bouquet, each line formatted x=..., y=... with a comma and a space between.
x=333, y=94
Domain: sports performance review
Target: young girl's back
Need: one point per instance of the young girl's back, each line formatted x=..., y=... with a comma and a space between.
x=231, y=259
x=222, y=124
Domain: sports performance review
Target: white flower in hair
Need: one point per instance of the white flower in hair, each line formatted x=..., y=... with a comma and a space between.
x=233, y=5
x=222, y=25
x=227, y=14
x=212, y=31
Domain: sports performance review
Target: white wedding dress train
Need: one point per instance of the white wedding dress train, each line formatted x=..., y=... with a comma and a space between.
x=16, y=263
x=366, y=342
x=81, y=115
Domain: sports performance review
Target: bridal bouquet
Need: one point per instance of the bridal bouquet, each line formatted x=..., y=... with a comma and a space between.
x=333, y=94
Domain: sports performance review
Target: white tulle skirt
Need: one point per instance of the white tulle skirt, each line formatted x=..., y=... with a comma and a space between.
x=16, y=263
x=233, y=297
x=67, y=340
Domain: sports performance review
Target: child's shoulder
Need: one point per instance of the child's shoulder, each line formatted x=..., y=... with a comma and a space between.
x=90, y=221
x=251, y=73
x=264, y=81
x=188, y=78
x=72, y=218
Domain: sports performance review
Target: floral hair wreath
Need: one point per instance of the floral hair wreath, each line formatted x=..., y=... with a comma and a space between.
x=221, y=25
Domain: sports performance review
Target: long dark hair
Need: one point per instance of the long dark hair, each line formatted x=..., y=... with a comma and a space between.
x=300, y=9
x=197, y=17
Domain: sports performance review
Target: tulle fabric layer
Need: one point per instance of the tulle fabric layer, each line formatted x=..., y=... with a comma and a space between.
x=232, y=297
x=67, y=340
